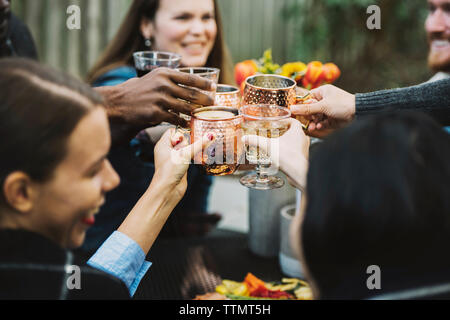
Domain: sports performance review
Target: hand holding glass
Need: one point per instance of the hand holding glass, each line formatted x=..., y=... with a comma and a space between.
x=274, y=89
x=147, y=61
x=222, y=157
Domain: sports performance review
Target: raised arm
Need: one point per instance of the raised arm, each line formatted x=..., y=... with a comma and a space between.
x=431, y=98
x=336, y=107
x=140, y=103
x=123, y=253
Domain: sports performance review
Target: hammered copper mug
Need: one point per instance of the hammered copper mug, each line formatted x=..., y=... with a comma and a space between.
x=273, y=89
x=224, y=155
x=229, y=96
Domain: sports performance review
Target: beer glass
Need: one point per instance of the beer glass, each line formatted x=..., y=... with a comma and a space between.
x=273, y=89
x=147, y=61
x=228, y=96
x=268, y=121
x=222, y=157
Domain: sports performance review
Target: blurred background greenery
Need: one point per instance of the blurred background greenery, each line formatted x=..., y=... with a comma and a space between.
x=296, y=30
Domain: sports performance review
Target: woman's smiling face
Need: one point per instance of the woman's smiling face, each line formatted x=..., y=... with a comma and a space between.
x=185, y=27
x=64, y=207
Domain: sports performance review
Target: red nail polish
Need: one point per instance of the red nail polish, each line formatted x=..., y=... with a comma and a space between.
x=210, y=137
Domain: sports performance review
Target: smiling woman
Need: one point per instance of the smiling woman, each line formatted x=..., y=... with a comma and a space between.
x=192, y=29
x=54, y=175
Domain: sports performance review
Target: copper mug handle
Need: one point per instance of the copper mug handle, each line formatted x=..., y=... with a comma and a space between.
x=303, y=121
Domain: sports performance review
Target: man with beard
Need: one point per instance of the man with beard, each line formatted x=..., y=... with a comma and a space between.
x=15, y=38
x=336, y=107
x=437, y=26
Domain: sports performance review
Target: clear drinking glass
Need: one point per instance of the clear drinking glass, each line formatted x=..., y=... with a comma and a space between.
x=207, y=73
x=269, y=121
x=147, y=61
x=222, y=157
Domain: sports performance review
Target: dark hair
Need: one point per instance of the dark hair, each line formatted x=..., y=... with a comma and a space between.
x=378, y=193
x=129, y=40
x=39, y=109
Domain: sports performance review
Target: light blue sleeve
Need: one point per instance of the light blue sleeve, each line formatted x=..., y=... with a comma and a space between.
x=123, y=258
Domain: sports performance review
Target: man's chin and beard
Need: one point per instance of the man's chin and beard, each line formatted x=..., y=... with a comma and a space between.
x=439, y=55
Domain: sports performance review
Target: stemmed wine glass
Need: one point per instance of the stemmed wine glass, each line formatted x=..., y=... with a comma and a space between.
x=268, y=121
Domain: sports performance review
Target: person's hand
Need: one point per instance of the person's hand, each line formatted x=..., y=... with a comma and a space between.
x=334, y=108
x=173, y=156
x=291, y=153
x=157, y=97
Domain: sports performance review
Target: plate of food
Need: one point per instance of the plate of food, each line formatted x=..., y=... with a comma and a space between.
x=253, y=288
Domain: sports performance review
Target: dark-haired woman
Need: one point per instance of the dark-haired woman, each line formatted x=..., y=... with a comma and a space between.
x=192, y=29
x=54, y=175
x=377, y=204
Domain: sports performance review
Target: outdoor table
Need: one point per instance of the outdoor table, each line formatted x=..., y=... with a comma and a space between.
x=186, y=267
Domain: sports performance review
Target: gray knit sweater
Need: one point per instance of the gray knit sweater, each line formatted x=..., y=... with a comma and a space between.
x=431, y=98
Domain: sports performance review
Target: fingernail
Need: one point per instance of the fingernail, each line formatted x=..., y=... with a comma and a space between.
x=213, y=86
x=210, y=137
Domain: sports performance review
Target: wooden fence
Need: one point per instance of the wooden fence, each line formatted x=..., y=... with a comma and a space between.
x=251, y=26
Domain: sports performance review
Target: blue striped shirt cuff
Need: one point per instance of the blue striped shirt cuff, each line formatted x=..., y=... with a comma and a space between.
x=123, y=258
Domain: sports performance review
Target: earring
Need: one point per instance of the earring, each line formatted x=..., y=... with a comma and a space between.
x=148, y=43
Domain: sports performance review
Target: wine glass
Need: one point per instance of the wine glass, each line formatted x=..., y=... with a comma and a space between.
x=147, y=61
x=222, y=157
x=269, y=121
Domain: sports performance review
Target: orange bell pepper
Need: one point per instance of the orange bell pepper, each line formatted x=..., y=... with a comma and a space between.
x=253, y=282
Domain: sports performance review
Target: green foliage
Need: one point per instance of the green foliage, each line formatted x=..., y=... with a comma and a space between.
x=335, y=30
x=266, y=64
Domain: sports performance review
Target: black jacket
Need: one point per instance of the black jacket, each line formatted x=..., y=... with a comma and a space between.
x=33, y=267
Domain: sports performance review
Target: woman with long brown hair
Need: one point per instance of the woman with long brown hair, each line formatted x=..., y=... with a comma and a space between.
x=192, y=29
x=146, y=27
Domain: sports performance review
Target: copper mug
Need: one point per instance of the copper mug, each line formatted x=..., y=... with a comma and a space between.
x=229, y=96
x=276, y=90
x=224, y=155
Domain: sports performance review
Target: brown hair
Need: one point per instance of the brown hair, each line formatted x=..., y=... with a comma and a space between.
x=129, y=40
x=39, y=109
